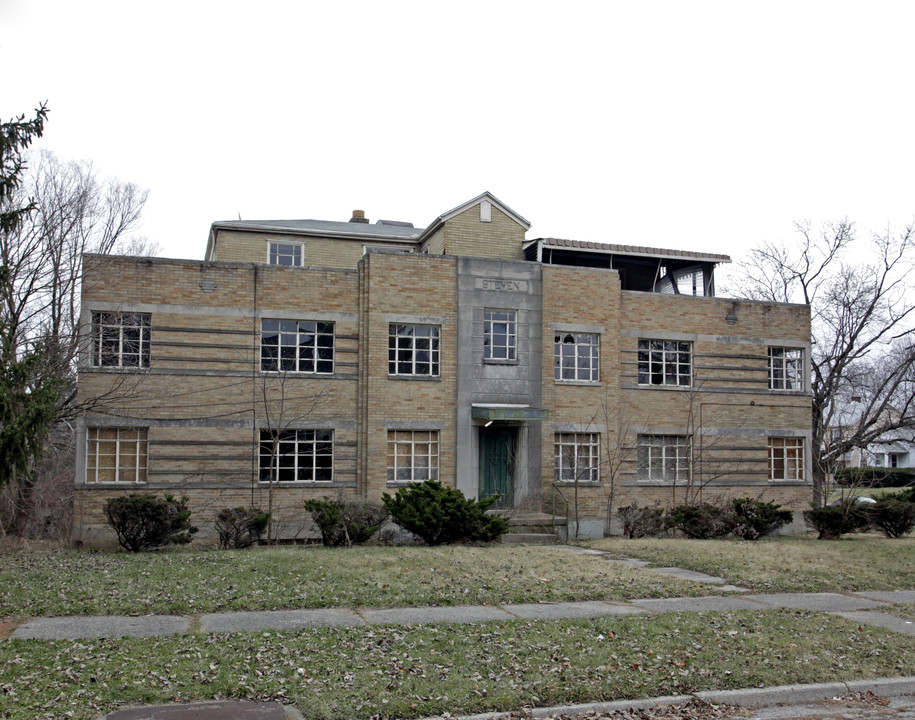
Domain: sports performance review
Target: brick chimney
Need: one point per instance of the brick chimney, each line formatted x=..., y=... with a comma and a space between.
x=358, y=217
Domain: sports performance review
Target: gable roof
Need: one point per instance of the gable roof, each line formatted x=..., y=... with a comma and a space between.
x=444, y=217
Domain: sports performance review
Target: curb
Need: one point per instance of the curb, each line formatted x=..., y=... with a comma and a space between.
x=747, y=697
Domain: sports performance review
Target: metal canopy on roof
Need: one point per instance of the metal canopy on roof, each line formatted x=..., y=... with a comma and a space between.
x=631, y=250
x=509, y=413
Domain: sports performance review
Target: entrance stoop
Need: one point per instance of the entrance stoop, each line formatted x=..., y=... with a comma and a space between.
x=534, y=528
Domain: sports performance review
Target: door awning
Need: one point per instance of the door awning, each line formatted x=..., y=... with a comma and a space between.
x=509, y=412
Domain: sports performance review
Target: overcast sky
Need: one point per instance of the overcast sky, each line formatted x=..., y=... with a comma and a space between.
x=710, y=126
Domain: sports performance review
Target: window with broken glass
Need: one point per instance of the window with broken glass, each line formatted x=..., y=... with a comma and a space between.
x=577, y=356
x=665, y=362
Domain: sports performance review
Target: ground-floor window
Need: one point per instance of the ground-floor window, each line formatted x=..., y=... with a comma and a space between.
x=297, y=456
x=412, y=455
x=663, y=458
x=116, y=455
x=576, y=457
x=786, y=458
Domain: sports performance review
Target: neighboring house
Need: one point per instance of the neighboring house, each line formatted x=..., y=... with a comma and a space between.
x=894, y=449
x=308, y=358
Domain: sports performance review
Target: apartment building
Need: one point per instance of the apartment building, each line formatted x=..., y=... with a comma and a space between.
x=310, y=358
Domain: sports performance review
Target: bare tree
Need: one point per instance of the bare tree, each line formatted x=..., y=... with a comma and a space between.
x=861, y=322
x=286, y=402
x=71, y=212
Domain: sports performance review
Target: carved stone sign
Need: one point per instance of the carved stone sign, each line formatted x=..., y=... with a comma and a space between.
x=500, y=285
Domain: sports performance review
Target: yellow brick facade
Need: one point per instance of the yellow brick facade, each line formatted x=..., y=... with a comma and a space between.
x=204, y=399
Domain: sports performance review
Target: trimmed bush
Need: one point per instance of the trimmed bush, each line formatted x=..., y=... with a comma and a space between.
x=639, y=522
x=240, y=527
x=440, y=514
x=144, y=521
x=755, y=518
x=894, y=517
x=701, y=521
x=833, y=521
x=875, y=477
x=346, y=521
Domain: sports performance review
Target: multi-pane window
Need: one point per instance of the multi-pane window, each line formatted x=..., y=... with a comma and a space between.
x=576, y=457
x=116, y=455
x=664, y=458
x=297, y=346
x=665, y=362
x=120, y=339
x=786, y=458
x=577, y=356
x=412, y=455
x=413, y=349
x=297, y=456
x=785, y=369
x=285, y=254
x=500, y=334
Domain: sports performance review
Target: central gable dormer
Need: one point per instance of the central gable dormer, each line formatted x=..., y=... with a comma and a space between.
x=481, y=227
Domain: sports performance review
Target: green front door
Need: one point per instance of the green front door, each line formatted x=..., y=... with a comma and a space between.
x=497, y=463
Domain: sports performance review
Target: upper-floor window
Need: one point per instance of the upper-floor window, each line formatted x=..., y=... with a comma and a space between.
x=413, y=349
x=500, y=334
x=577, y=356
x=785, y=369
x=576, y=457
x=120, y=339
x=296, y=456
x=116, y=455
x=665, y=362
x=663, y=457
x=286, y=254
x=303, y=346
x=786, y=458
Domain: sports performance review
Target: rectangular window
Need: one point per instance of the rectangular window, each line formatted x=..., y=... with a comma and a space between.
x=500, y=334
x=412, y=455
x=297, y=456
x=120, y=339
x=665, y=362
x=577, y=356
x=413, y=349
x=116, y=455
x=785, y=369
x=297, y=346
x=786, y=458
x=286, y=254
x=576, y=457
x=663, y=458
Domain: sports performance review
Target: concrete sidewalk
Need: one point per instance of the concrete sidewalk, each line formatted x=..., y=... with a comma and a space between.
x=863, y=607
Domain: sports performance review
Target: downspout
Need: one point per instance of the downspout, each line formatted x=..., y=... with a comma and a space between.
x=255, y=445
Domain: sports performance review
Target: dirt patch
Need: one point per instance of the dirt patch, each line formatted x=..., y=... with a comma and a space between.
x=6, y=627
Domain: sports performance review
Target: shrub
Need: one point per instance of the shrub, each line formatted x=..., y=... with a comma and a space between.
x=755, y=518
x=832, y=521
x=144, y=521
x=641, y=522
x=875, y=477
x=702, y=521
x=907, y=495
x=894, y=517
x=440, y=514
x=345, y=521
x=240, y=527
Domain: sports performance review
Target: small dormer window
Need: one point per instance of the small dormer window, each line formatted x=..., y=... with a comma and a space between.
x=288, y=254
